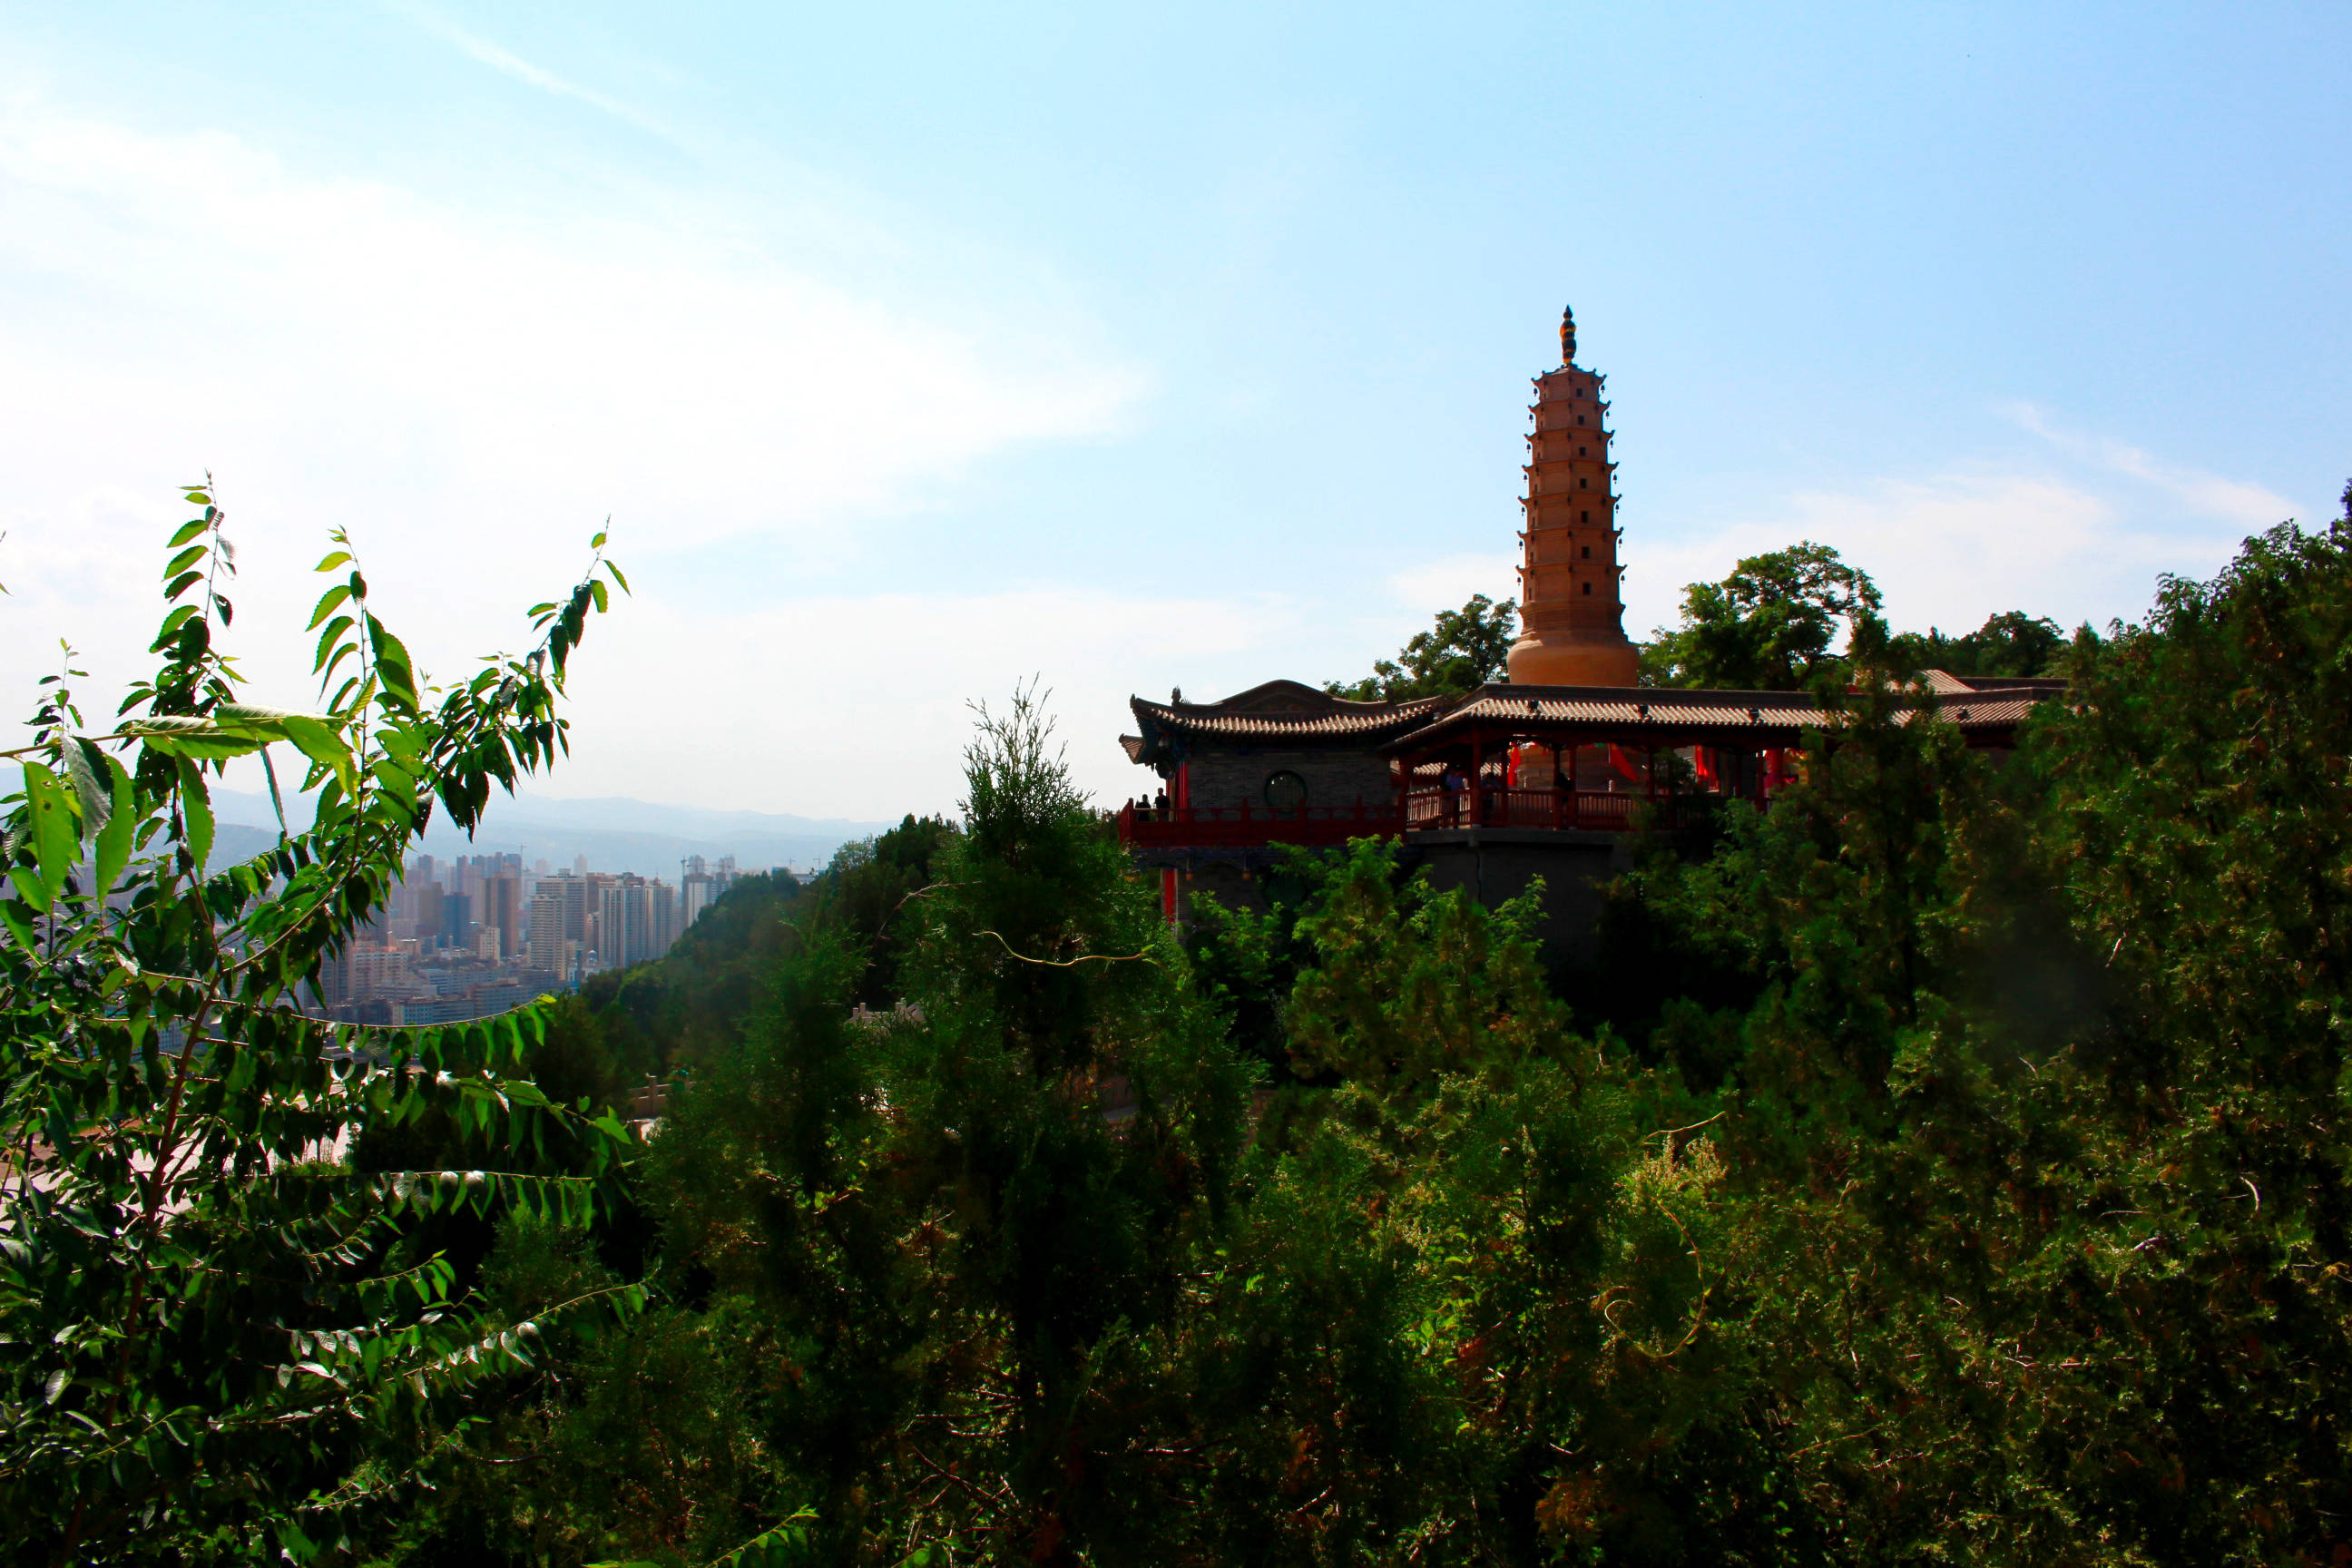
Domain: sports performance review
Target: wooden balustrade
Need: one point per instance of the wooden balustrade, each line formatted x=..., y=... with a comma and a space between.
x=1426, y=810
x=1556, y=810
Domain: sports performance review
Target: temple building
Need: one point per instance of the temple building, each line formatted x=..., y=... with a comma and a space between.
x=1551, y=772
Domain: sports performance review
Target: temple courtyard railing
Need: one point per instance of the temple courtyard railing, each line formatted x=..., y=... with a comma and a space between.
x=1421, y=811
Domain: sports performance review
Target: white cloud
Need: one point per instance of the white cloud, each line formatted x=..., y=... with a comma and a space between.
x=2241, y=502
x=472, y=388
x=1948, y=550
x=859, y=706
x=2080, y=536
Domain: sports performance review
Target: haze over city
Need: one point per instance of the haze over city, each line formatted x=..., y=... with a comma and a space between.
x=914, y=352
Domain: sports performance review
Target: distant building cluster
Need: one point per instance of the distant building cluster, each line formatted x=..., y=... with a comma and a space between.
x=474, y=936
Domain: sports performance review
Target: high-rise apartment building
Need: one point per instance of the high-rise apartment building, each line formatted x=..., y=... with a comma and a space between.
x=501, y=909
x=559, y=924
x=699, y=885
x=599, y=920
x=458, y=919
x=424, y=908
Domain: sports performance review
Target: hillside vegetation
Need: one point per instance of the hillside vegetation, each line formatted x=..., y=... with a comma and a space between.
x=1946, y=1164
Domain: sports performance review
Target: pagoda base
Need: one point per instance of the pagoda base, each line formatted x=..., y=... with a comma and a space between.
x=1561, y=661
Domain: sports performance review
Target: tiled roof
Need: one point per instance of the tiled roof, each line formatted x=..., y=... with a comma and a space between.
x=1367, y=718
x=1758, y=717
x=1630, y=708
x=1278, y=711
x=1284, y=711
x=1944, y=683
x=2000, y=709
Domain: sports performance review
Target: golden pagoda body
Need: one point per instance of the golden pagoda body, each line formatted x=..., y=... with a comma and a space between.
x=1572, y=619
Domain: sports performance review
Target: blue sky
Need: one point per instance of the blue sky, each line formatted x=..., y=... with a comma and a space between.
x=916, y=349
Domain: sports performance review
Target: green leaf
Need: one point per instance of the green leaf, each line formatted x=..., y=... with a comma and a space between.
x=244, y=717
x=341, y=653
x=112, y=850
x=391, y=665
x=790, y=1535
x=334, y=628
x=321, y=743
x=179, y=585
x=184, y=559
x=596, y=590
x=337, y=559
x=196, y=812
x=84, y=766
x=52, y=830
x=188, y=530
x=327, y=603
x=616, y=571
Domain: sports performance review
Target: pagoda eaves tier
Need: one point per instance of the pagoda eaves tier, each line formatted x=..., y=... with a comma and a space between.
x=1571, y=618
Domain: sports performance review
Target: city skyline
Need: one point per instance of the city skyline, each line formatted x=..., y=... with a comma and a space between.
x=467, y=937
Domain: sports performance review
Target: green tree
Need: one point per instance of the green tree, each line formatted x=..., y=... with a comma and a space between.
x=1466, y=648
x=915, y=1287
x=2031, y=1126
x=1468, y=1318
x=1768, y=626
x=2011, y=643
x=210, y=1323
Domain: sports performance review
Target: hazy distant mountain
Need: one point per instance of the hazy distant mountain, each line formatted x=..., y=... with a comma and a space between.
x=615, y=834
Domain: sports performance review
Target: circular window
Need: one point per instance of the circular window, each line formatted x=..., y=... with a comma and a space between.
x=1286, y=790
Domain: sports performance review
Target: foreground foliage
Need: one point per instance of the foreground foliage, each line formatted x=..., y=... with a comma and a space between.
x=214, y=1332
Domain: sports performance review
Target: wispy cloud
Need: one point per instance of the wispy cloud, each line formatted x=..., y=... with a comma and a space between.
x=2240, y=503
x=507, y=62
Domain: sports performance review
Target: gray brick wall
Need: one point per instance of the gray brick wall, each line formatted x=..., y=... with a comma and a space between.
x=1333, y=778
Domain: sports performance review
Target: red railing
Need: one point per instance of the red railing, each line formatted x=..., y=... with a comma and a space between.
x=1253, y=826
x=1249, y=826
x=1597, y=810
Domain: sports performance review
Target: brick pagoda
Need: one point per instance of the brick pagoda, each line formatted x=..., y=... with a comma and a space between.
x=1571, y=619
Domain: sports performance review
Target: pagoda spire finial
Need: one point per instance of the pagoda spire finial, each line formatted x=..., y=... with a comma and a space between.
x=1567, y=335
